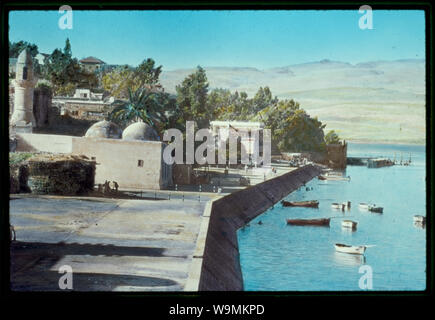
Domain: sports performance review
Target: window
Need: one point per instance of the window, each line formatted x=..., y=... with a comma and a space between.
x=140, y=163
x=93, y=159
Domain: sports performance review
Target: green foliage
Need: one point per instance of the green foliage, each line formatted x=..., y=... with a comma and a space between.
x=229, y=106
x=262, y=99
x=123, y=78
x=15, y=48
x=292, y=128
x=332, y=138
x=147, y=74
x=192, y=98
x=44, y=87
x=18, y=157
x=65, y=72
x=142, y=104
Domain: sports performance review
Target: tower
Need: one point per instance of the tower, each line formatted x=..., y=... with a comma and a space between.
x=22, y=118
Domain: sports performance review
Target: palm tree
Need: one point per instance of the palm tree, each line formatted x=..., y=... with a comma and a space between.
x=141, y=105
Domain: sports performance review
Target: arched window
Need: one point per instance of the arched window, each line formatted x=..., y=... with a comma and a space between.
x=24, y=73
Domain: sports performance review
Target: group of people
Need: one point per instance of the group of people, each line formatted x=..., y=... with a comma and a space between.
x=105, y=188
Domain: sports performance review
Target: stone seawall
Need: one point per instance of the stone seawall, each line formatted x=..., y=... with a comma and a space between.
x=220, y=267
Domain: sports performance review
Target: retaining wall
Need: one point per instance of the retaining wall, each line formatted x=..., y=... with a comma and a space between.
x=220, y=265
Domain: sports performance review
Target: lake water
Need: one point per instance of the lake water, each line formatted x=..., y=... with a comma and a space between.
x=275, y=256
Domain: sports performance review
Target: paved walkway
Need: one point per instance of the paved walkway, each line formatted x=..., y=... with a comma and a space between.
x=111, y=245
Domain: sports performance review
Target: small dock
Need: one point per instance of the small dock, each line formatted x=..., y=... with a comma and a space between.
x=377, y=162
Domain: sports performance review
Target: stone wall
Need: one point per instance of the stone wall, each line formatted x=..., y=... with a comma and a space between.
x=18, y=176
x=337, y=155
x=28, y=142
x=133, y=164
x=220, y=269
x=62, y=175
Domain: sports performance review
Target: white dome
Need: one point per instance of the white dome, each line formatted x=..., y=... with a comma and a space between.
x=104, y=129
x=140, y=131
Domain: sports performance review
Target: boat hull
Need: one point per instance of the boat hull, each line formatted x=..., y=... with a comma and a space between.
x=309, y=222
x=376, y=209
x=308, y=204
x=339, y=206
x=349, y=224
x=364, y=206
x=350, y=249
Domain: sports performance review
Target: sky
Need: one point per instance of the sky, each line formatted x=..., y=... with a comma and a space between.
x=259, y=39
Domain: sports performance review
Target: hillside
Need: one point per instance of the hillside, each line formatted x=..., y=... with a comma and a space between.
x=379, y=101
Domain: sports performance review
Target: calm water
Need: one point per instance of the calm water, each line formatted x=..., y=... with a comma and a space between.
x=275, y=256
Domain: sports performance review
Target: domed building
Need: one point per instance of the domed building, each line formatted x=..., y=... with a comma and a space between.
x=140, y=131
x=104, y=129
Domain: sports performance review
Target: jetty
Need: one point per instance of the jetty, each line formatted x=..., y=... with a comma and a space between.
x=379, y=163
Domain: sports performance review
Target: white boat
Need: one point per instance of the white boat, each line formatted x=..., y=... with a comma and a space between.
x=349, y=259
x=350, y=249
x=346, y=205
x=349, y=224
x=337, y=205
x=420, y=219
x=364, y=206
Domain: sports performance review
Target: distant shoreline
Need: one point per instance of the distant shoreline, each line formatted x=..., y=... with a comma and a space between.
x=386, y=142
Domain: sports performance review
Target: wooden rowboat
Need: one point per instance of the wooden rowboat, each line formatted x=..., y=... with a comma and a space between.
x=309, y=222
x=376, y=209
x=350, y=249
x=310, y=204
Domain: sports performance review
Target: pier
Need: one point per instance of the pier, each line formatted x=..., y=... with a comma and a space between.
x=377, y=162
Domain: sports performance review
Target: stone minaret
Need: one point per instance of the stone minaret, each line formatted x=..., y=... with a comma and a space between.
x=22, y=118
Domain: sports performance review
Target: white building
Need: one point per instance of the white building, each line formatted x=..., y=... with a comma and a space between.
x=249, y=133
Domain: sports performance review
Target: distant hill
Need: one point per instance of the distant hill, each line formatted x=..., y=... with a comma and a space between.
x=377, y=101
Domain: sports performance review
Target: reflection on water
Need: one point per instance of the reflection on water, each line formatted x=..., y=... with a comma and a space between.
x=274, y=256
x=346, y=259
x=346, y=230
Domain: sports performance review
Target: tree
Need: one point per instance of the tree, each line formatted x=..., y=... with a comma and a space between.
x=123, y=78
x=192, y=98
x=65, y=72
x=225, y=105
x=262, y=99
x=292, y=128
x=147, y=74
x=15, y=48
x=332, y=138
x=142, y=104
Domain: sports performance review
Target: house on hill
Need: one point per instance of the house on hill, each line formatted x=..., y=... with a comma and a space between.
x=92, y=64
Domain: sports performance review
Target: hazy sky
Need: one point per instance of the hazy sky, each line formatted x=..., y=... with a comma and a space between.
x=261, y=39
